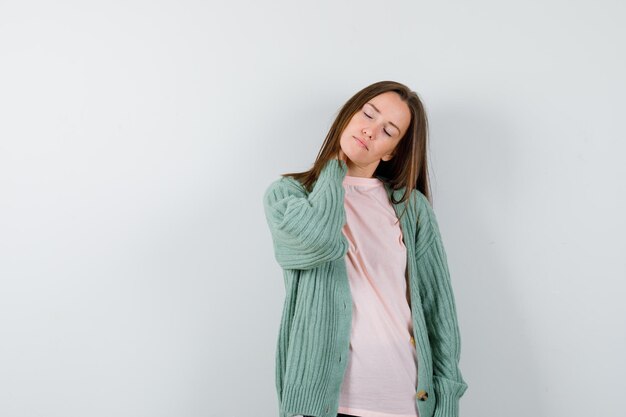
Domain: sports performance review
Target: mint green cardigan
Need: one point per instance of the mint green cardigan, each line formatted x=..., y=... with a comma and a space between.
x=314, y=336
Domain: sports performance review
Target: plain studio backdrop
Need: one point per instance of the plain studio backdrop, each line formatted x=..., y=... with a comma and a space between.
x=137, y=275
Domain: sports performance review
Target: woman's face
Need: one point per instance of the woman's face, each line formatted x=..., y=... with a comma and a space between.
x=373, y=133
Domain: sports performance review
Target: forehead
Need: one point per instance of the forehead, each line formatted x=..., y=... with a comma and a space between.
x=393, y=109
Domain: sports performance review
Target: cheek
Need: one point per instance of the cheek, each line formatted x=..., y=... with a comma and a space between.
x=384, y=150
x=354, y=122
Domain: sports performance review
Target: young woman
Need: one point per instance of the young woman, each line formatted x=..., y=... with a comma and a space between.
x=369, y=325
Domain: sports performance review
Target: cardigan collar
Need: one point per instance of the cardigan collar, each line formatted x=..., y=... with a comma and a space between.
x=391, y=192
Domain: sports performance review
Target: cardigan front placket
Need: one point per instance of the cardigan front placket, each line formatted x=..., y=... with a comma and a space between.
x=424, y=355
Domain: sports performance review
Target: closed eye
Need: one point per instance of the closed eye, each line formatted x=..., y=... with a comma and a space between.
x=370, y=117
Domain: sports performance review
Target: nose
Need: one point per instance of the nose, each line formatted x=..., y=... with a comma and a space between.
x=367, y=132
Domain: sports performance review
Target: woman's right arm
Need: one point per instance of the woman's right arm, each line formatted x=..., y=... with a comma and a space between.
x=306, y=229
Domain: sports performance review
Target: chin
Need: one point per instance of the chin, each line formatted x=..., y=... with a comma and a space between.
x=357, y=160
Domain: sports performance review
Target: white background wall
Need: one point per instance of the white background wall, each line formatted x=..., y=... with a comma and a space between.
x=136, y=139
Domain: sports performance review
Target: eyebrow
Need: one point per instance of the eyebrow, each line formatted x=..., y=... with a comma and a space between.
x=391, y=123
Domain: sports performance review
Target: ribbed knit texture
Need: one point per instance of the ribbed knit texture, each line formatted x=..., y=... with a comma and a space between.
x=313, y=340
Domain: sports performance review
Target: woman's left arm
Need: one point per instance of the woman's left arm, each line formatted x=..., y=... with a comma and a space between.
x=440, y=312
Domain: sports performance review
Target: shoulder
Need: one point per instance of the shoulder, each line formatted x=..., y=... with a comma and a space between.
x=427, y=224
x=418, y=203
x=282, y=187
x=422, y=205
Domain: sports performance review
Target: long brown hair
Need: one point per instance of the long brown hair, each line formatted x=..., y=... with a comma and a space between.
x=407, y=168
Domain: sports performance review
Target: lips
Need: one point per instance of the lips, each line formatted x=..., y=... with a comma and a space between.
x=362, y=142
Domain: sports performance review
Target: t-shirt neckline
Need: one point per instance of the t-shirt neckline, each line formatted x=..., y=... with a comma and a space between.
x=348, y=179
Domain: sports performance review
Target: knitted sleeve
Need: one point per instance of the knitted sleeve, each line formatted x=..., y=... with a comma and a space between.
x=306, y=227
x=440, y=313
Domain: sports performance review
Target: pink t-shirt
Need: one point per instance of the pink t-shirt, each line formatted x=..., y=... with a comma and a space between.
x=381, y=373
